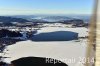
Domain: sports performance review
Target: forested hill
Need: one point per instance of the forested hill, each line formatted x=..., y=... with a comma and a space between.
x=5, y=19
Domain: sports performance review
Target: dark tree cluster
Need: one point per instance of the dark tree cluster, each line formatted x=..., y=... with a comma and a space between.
x=4, y=33
x=7, y=24
x=74, y=21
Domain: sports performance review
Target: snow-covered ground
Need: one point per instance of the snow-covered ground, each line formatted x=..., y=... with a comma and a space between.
x=70, y=52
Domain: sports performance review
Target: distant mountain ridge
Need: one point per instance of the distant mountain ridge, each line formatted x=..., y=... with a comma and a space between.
x=42, y=19
x=54, y=18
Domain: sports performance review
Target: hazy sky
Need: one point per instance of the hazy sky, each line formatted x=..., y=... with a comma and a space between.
x=30, y=7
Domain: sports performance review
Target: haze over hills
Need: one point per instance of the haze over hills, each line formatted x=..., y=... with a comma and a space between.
x=53, y=18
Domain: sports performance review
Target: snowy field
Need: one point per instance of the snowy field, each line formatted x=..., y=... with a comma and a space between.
x=70, y=52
